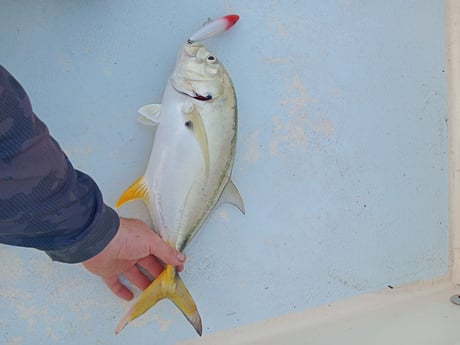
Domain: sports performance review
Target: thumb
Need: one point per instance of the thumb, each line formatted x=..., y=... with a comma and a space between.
x=165, y=252
x=152, y=244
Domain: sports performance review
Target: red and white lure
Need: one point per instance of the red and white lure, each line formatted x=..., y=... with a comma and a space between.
x=213, y=27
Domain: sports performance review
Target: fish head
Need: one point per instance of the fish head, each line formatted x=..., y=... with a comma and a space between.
x=198, y=73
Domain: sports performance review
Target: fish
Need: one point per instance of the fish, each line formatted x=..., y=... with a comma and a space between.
x=189, y=171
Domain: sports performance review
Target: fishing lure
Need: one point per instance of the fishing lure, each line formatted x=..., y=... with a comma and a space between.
x=213, y=27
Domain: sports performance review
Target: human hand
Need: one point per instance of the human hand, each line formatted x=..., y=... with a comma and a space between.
x=135, y=244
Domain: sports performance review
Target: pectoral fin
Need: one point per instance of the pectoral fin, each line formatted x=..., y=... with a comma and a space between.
x=195, y=124
x=232, y=196
x=149, y=114
x=138, y=190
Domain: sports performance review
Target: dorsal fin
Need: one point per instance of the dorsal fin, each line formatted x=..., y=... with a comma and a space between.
x=232, y=196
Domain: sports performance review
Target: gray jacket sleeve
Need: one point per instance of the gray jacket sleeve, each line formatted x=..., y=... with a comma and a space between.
x=44, y=202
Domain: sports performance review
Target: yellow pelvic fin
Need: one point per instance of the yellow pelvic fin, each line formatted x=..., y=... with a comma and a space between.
x=138, y=190
x=167, y=285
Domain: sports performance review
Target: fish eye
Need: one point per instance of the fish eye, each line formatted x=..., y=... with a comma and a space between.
x=211, y=59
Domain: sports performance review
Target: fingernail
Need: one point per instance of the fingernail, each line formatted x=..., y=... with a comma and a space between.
x=181, y=257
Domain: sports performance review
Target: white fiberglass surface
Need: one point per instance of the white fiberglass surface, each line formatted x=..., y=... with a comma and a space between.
x=341, y=155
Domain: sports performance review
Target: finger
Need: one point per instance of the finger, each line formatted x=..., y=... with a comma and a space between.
x=164, y=252
x=118, y=288
x=154, y=267
x=137, y=278
x=151, y=265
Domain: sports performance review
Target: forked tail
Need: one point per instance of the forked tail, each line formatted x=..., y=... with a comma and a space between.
x=167, y=285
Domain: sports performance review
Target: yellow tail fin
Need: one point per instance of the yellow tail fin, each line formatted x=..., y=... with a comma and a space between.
x=167, y=285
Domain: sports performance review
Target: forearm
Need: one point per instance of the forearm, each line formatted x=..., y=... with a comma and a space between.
x=44, y=202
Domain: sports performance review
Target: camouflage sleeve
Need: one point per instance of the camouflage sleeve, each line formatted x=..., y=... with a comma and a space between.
x=44, y=202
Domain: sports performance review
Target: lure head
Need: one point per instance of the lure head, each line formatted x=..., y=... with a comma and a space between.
x=198, y=73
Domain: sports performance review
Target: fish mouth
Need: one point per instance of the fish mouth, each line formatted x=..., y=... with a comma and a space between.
x=201, y=97
x=192, y=94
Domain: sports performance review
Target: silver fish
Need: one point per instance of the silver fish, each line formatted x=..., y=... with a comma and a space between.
x=190, y=165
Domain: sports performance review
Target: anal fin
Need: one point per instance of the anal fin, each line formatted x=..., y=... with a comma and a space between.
x=138, y=190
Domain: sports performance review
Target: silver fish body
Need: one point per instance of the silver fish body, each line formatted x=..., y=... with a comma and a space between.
x=194, y=146
x=189, y=171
